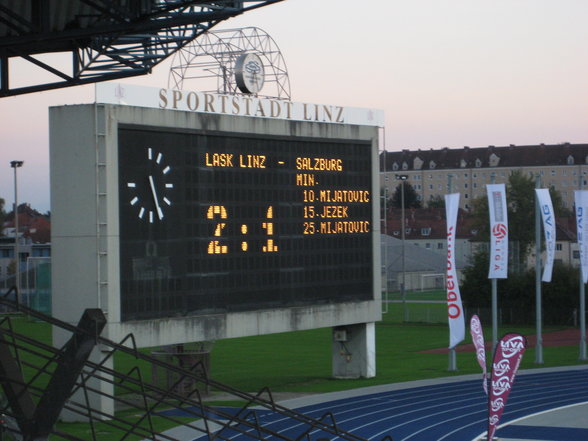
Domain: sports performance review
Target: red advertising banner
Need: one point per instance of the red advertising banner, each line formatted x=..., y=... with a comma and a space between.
x=507, y=358
x=478, y=339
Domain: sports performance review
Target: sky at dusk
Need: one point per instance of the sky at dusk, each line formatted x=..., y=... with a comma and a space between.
x=447, y=73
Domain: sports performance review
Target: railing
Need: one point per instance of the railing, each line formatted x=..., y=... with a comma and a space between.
x=34, y=376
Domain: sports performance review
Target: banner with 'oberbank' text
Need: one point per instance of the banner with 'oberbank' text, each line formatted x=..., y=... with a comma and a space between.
x=454, y=306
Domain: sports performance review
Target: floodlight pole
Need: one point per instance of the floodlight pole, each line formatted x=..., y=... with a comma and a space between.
x=452, y=353
x=15, y=165
x=583, y=356
x=494, y=297
x=402, y=179
x=538, y=313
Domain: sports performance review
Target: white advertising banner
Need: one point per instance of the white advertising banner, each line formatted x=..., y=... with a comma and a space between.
x=548, y=218
x=498, y=231
x=454, y=306
x=581, y=199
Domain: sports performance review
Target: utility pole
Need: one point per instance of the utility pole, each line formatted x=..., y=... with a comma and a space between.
x=15, y=165
x=402, y=179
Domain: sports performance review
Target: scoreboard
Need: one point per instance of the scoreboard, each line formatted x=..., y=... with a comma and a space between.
x=217, y=222
x=187, y=225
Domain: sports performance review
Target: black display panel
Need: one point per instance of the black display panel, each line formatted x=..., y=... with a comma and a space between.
x=217, y=222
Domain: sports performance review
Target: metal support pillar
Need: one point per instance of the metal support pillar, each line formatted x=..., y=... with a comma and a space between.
x=36, y=422
x=538, y=312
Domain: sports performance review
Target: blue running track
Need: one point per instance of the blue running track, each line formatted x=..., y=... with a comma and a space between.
x=451, y=411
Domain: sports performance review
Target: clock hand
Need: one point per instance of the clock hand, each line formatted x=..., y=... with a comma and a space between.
x=152, y=185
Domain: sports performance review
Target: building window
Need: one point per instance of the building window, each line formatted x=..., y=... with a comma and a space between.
x=552, y=172
x=576, y=254
x=440, y=245
x=465, y=185
x=558, y=247
x=428, y=246
x=430, y=186
x=570, y=160
x=425, y=231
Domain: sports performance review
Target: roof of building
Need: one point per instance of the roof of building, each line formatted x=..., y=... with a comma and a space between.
x=428, y=223
x=491, y=156
x=31, y=224
x=416, y=259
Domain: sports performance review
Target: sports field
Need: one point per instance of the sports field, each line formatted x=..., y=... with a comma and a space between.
x=301, y=361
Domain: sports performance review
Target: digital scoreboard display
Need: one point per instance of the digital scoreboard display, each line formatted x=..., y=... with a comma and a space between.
x=224, y=222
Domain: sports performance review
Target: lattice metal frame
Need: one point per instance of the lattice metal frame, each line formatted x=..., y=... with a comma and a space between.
x=107, y=41
x=39, y=379
x=208, y=63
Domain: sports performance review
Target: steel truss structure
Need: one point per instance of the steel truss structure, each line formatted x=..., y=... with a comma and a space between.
x=40, y=381
x=106, y=39
x=213, y=57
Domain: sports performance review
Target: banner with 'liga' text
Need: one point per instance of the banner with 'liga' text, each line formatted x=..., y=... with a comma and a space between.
x=507, y=358
x=454, y=306
x=498, y=231
x=581, y=199
x=548, y=218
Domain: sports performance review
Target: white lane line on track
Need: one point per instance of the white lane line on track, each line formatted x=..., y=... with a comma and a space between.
x=480, y=436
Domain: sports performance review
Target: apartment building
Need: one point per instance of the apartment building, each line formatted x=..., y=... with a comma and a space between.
x=436, y=172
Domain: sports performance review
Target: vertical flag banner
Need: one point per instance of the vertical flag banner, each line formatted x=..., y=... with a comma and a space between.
x=498, y=231
x=581, y=199
x=454, y=306
x=507, y=358
x=478, y=339
x=548, y=218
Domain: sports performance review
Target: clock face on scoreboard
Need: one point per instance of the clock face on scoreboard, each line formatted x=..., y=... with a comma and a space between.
x=217, y=222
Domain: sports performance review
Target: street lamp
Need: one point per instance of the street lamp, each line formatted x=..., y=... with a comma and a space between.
x=402, y=179
x=15, y=165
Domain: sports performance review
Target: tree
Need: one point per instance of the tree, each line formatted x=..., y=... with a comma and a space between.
x=436, y=201
x=411, y=198
x=517, y=293
x=520, y=198
x=2, y=215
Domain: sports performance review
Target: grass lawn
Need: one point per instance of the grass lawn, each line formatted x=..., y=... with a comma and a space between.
x=301, y=361
x=431, y=295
